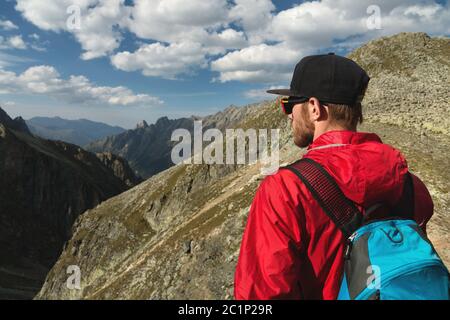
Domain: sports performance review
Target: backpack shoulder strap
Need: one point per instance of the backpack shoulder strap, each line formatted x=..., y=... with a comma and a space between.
x=341, y=210
x=405, y=206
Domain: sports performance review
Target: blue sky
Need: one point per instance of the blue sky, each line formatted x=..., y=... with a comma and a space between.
x=143, y=59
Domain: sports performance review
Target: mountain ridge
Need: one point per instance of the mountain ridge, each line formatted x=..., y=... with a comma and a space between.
x=80, y=132
x=49, y=183
x=148, y=147
x=164, y=238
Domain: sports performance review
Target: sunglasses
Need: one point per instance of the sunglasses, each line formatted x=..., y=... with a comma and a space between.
x=288, y=103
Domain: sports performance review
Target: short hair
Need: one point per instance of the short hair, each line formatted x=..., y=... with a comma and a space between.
x=345, y=115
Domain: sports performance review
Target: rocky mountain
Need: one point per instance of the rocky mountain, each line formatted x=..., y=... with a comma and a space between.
x=411, y=73
x=79, y=132
x=120, y=168
x=177, y=235
x=17, y=124
x=148, y=147
x=46, y=185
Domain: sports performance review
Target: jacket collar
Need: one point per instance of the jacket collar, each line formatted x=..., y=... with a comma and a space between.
x=343, y=137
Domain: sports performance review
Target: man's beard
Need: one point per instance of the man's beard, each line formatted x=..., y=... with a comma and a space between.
x=303, y=131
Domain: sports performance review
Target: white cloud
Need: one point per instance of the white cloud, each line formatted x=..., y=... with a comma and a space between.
x=188, y=13
x=7, y=81
x=254, y=16
x=266, y=43
x=170, y=61
x=432, y=18
x=36, y=43
x=310, y=26
x=181, y=24
x=313, y=25
x=38, y=48
x=8, y=60
x=45, y=80
x=359, y=8
x=14, y=42
x=318, y=24
x=168, y=21
x=159, y=60
x=176, y=20
x=98, y=35
x=34, y=36
x=98, y=21
x=219, y=42
x=259, y=63
x=259, y=94
x=50, y=15
x=8, y=104
x=17, y=42
x=7, y=25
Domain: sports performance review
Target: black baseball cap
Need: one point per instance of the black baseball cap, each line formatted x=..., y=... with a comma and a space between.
x=329, y=78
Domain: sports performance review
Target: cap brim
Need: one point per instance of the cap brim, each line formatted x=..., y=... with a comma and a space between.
x=281, y=92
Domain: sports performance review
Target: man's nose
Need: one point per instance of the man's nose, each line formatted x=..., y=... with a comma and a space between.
x=290, y=116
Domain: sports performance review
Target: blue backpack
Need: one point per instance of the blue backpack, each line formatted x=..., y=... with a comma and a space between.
x=389, y=259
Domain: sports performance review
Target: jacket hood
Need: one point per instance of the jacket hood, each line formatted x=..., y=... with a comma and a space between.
x=367, y=170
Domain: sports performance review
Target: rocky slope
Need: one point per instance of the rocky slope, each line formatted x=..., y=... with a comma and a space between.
x=177, y=235
x=119, y=167
x=17, y=124
x=410, y=81
x=148, y=147
x=45, y=186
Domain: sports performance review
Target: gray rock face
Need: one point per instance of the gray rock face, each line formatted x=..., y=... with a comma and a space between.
x=120, y=168
x=16, y=124
x=142, y=125
x=147, y=148
x=45, y=186
x=177, y=235
x=410, y=81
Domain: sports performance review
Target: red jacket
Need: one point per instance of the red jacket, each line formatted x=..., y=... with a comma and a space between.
x=290, y=248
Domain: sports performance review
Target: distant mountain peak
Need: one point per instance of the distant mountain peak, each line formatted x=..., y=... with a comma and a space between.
x=80, y=132
x=34, y=228
x=21, y=125
x=162, y=120
x=16, y=124
x=142, y=125
x=4, y=116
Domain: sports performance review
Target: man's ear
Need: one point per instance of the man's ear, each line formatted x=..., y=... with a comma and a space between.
x=315, y=109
